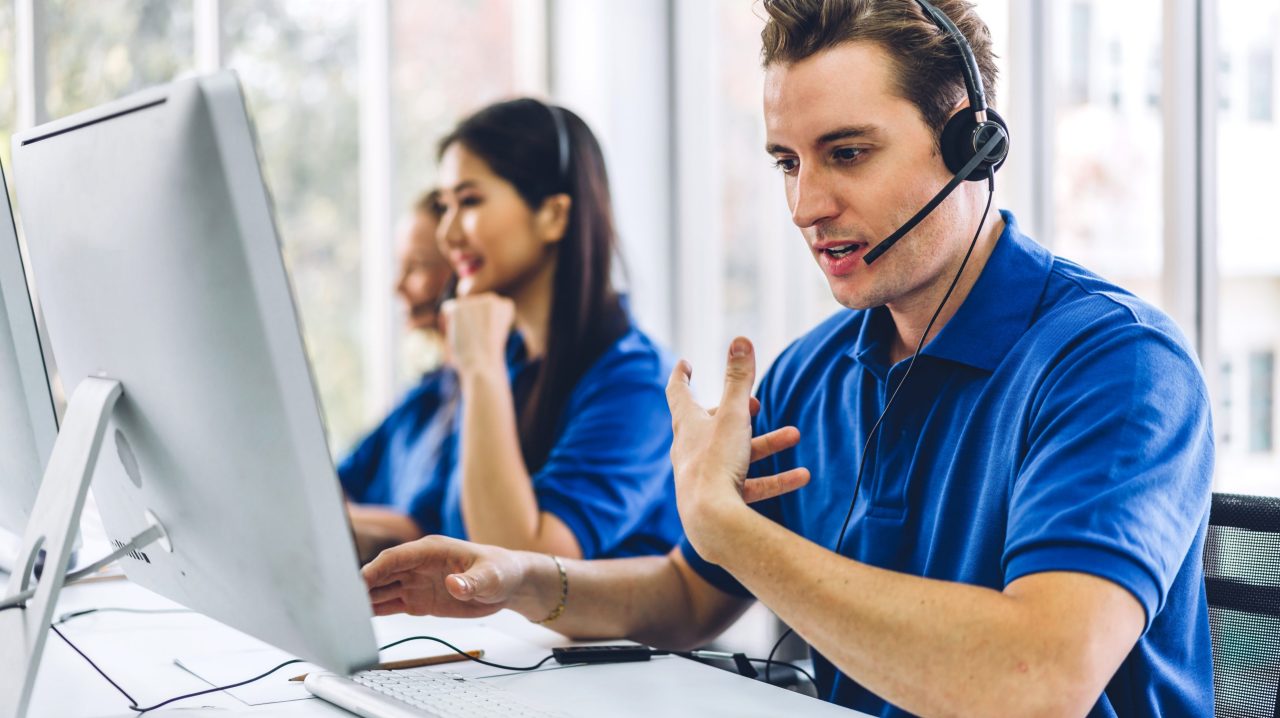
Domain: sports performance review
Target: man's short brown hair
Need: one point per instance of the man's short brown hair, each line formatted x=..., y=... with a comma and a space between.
x=926, y=60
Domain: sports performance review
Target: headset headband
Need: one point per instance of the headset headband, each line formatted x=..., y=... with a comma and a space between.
x=969, y=64
x=562, y=141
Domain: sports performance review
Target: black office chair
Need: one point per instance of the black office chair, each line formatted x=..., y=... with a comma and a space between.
x=1242, y=580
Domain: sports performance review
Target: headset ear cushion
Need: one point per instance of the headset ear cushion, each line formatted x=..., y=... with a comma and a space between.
x=957, y=144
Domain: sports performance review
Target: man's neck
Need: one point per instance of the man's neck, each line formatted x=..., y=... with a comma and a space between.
x=911, y=313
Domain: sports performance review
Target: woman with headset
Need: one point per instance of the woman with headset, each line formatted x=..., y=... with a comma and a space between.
x=562, y=432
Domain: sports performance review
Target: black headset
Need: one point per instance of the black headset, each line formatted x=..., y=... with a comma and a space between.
x=974, y=142
x=562, y=141
x=968, y=130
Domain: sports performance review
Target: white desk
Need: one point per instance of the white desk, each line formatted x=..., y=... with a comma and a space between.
x=137, y=651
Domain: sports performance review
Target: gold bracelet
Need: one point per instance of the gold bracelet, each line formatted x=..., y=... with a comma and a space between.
x=564, y=593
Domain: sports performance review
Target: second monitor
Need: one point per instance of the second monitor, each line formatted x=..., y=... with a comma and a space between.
x=27, y=422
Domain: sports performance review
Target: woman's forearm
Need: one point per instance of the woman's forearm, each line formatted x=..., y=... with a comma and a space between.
x=498, y=502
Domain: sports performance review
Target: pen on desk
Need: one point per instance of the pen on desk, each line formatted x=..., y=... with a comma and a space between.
x=417, y=662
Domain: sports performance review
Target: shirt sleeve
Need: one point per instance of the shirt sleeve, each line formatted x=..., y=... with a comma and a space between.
x=610, y=462
x=1117, y=477
x=357, y=471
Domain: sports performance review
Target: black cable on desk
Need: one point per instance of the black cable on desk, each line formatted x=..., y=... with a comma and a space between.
x=795, y=667
x=133, y=704
x=470, y=657
x=703, y=656
x=115, y=685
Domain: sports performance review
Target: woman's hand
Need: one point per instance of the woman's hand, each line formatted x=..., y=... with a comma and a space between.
x=440, y=576
x=477, y=328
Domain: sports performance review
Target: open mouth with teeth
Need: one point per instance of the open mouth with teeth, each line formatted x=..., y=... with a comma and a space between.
x=840, y=260
x=841, y=251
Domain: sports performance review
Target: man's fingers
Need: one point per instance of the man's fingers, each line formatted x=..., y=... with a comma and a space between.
x=390, y=607
x=767, y=487
x=739, y=375
x=679, y=395
x=773, y=442
x=754, y=408
x=383, y=594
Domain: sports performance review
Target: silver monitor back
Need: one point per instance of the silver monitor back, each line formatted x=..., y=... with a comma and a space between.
x=155, y=257
x=28, y=425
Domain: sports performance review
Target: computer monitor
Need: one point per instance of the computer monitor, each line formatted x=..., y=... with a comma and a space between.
x=150, y=235
x=28, y=425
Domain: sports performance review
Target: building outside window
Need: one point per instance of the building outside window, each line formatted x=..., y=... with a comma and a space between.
x=1248, y=317
x=1262, y=372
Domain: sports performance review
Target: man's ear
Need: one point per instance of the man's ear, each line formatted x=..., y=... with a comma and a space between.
x=552, y=219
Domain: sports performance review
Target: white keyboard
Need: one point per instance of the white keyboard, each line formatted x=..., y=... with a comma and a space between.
x=417, y=692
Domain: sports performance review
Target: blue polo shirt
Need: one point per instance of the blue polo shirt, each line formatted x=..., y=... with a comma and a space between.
x=608, y=475
x=398, y=464
x=1056, y=423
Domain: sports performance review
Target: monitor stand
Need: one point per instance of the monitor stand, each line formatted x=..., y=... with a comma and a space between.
x=54, y=524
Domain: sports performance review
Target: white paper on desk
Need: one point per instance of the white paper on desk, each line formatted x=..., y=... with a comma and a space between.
x=227, y=667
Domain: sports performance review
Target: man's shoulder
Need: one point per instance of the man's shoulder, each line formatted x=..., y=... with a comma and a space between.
x=1087, y=329
x=1079, y=304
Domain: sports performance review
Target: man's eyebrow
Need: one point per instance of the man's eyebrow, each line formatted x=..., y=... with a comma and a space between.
x=840, y=133
x=849, y=132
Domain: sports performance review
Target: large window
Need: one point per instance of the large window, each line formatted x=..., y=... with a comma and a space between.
x=98, y=50
x=1107, y=139
x=8, y=93
x=298, y=62
x=447, y=60
x=772, y=290
x=301, y=64
x=1248, y=326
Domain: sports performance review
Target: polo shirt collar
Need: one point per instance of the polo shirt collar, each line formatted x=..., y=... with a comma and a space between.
x=1001, y=304
x=874, y=338
x=993, y=317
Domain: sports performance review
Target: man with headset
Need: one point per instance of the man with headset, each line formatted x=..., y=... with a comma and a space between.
x=1010, y=458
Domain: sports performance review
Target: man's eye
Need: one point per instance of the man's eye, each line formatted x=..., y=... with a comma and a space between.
x=847, y=154
x=470, y=201
x=786, y=164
